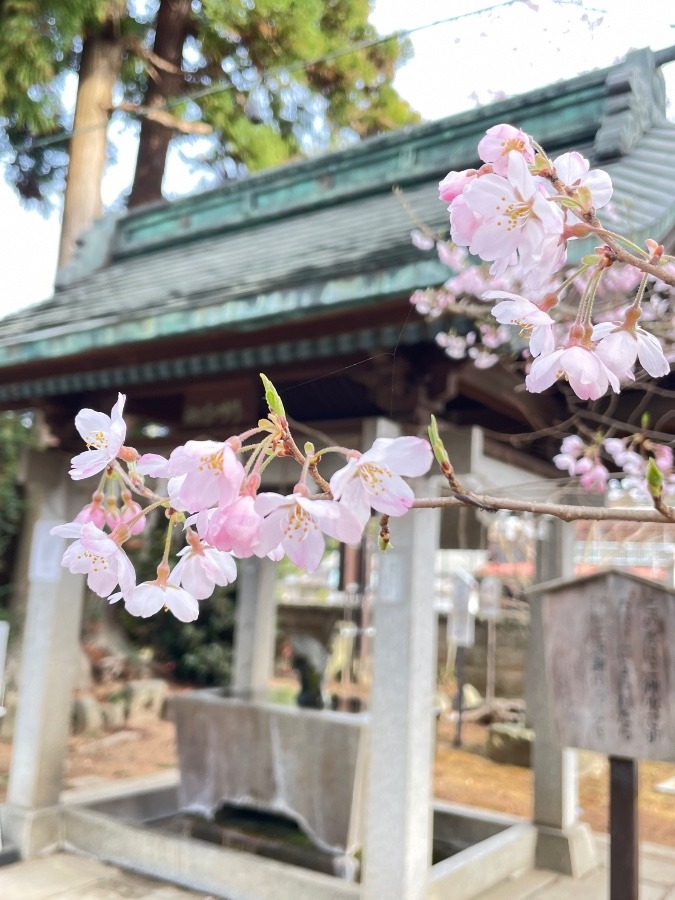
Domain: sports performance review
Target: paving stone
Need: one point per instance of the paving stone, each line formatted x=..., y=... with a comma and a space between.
x=658, y=869
x=519, y=887
x=37, y=879
x=591, y=887
x=63, y=875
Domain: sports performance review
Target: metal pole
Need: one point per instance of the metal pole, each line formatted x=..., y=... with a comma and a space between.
x=459, y=668
x=491, y=653
x=623, y=828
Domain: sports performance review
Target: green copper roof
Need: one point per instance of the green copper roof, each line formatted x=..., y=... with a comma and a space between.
x=329, y=233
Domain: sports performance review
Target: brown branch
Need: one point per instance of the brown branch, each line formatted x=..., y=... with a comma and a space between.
x=566, y=512
x=163, y=117
x=149, y=56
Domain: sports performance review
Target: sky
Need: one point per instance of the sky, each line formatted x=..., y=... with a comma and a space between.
x=493, y=48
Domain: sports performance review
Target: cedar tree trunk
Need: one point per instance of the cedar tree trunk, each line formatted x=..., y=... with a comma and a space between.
x=99, y=70
x=173, y=23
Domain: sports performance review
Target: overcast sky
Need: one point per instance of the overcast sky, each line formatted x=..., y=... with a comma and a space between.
x=509, y=48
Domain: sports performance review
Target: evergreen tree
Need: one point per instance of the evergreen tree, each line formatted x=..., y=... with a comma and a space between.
x=235, y=68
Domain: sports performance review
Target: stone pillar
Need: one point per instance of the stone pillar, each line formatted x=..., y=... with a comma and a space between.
x=398, y=812
x=255, y=627
x=49, y=659
x=563, y=844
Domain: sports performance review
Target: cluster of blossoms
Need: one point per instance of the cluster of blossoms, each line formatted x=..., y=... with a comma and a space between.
x=518, y=213
x=216, y=498
x=644, y=468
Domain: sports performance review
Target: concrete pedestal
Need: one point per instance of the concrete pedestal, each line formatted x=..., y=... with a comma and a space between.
x=48, y=662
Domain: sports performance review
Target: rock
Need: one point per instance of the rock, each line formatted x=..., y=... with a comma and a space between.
x=509, y=743
x=84, y=680
x=87, y=716
x=145, y=698
x=114, y=714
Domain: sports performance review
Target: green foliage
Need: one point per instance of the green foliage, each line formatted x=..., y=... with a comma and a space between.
x=199, y=652
x=273, y=108
x=15, y=434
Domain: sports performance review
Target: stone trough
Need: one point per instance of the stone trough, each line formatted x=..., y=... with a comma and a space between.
x=308, y=766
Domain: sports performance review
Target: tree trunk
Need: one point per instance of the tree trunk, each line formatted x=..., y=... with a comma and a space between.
x=99, y=70
x=173, y=22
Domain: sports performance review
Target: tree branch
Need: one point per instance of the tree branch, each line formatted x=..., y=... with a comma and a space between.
x=163, y=117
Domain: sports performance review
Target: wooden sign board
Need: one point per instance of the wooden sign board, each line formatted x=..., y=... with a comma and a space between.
x=609, y=646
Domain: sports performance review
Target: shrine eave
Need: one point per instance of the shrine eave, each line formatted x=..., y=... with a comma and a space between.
x=85, y=378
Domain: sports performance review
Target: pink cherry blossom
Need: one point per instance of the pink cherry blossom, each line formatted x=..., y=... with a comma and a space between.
x=373, y=478
x=463, y=222
x=98, y=556
x=499, y=142
x=619, y=347
x=421, y=240
x=203, y=474
x=516, y=216
x=235, y=528
x=298, y=524
x=663, y=456
x=92, y=512
x=587, y=374
x=148, y=598
x=571, y=448
x=573, y=170
x=104, y=436
x=202, y=567
x=130, y=509
x=517, y=310
x=594, y=475
x=454, y=183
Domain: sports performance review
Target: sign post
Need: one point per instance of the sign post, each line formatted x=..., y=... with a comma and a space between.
x=606, y=648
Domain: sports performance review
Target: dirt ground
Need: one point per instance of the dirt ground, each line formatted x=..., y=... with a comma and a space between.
x=461, y=775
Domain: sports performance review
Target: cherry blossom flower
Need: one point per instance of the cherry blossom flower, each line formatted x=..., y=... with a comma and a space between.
x=421, y=240
x=516, y=216
x=594, y=475
x=454, y=183
x=374, y=478
x=130, y=509
x=573, y=170
x=148, y=598
x=202, y=567
x=587, y=374
x=620, y=345
x=297, y=522
x=235, y=528
x=571, y=449
x=517, y=310
x=201, y=474
x=463, y=222
x=104, y=436
x=499, y=142
x=93, y=512
x=97, y=555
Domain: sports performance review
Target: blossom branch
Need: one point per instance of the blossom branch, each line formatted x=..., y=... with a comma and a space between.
x=566, y=511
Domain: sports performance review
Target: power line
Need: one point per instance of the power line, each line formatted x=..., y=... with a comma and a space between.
x=224, y=86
